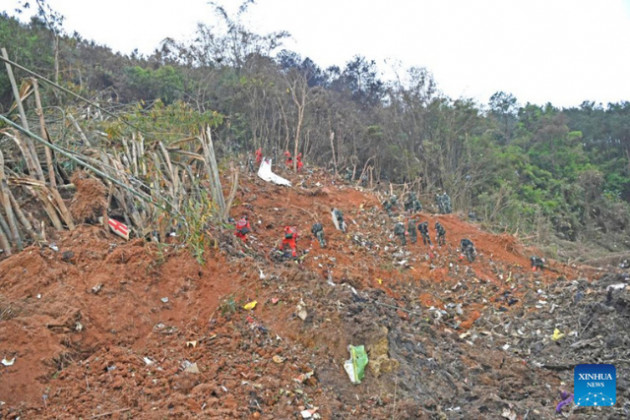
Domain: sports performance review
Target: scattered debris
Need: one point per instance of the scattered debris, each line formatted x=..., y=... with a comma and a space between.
x=251, y=305
x=355, y=366
x=301, y=310
x=7, y=362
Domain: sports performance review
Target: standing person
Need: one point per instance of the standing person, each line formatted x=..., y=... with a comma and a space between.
x=300, y=165
x=242, y=228
x=290, y=238
x=411, y=228
x=289, y=160
x=399, y=230
x=441, y=234
x=440, y=203
x=447, y=203
x=259, y=156
x=468, y=249
x=318, y=230
x=424, y=231
x=337, y=217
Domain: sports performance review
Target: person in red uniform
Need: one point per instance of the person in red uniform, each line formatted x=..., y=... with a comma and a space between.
x=242, y=228
x=258, y=156
x=290, y=236
x=289, y=160
x=299, y=162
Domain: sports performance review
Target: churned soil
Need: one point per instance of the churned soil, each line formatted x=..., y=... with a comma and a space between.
x=96, y=326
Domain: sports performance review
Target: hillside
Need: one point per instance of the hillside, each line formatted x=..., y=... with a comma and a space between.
x=104, y=328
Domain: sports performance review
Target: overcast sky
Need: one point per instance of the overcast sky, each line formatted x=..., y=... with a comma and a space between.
x=558, y=51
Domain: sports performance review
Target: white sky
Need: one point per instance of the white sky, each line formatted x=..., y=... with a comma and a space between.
x=558, y=51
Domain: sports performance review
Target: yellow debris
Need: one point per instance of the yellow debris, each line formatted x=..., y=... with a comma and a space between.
x=557, y=335
x=251, y=305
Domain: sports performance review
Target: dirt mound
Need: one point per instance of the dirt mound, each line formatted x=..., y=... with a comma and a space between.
x=98, y=326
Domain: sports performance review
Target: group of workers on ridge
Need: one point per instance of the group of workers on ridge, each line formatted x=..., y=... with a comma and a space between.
x=411, y=204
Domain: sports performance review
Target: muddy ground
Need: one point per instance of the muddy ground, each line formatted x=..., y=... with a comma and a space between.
x=98, y=327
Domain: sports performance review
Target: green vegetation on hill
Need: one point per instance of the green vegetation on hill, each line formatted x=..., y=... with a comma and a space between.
x=549, y=172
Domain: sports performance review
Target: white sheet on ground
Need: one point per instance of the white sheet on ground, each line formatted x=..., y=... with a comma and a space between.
x=265, y=173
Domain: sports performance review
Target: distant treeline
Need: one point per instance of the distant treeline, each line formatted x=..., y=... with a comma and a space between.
x=536, y=169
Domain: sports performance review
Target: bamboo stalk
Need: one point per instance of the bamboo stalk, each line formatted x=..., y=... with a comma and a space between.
x=30, y=145
x=4, y=241
x=8, y=210
x=213, y=171
x=78, y=128
x=22, y=218
x=28, y=158
x=42, y=127
x=232, y=192
x=61, y=205
x=134, y=156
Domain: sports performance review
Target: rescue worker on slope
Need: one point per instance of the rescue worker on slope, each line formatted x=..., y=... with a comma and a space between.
x=411, y=228
x=537, y=263
x=289, y=160
x=337, y=216
x=441, y=234
x=318, y=230
x=468, y=250
x=424, y=231
x=290, y=238
x=399, y=230
x=242, y=228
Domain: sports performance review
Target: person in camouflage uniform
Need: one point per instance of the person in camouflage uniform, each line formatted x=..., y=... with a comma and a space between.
x=318, y=230
x=468, y=249
x=411, y=228
x=440, y=234
x=424, y=231
x=338, y=219
x=446, y=200
x=390, y=204
x=412, y=203
x=399, y=230
x=440, y=203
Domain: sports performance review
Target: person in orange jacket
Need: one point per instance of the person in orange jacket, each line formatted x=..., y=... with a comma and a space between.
x=290, y=238
x=300, y=165
x=259, y=156
x=243, y=228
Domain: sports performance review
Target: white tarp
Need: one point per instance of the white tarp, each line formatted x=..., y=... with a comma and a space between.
x=265, y=173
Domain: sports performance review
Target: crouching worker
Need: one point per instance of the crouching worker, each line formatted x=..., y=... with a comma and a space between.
x=468, y=250
x=318, y=231
x=242, y=228
x=537, y=263
x=290, y=238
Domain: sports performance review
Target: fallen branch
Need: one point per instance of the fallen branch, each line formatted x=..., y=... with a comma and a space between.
x=109, y=413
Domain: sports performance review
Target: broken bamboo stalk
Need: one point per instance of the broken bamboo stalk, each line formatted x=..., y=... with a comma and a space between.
x=8, y=209
x=60, y=204
x=23, y=220
x=18, y=100
x=213, y=170
x=42, y=128
x=78, y=128
x=4, y=240
x=232, y=194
